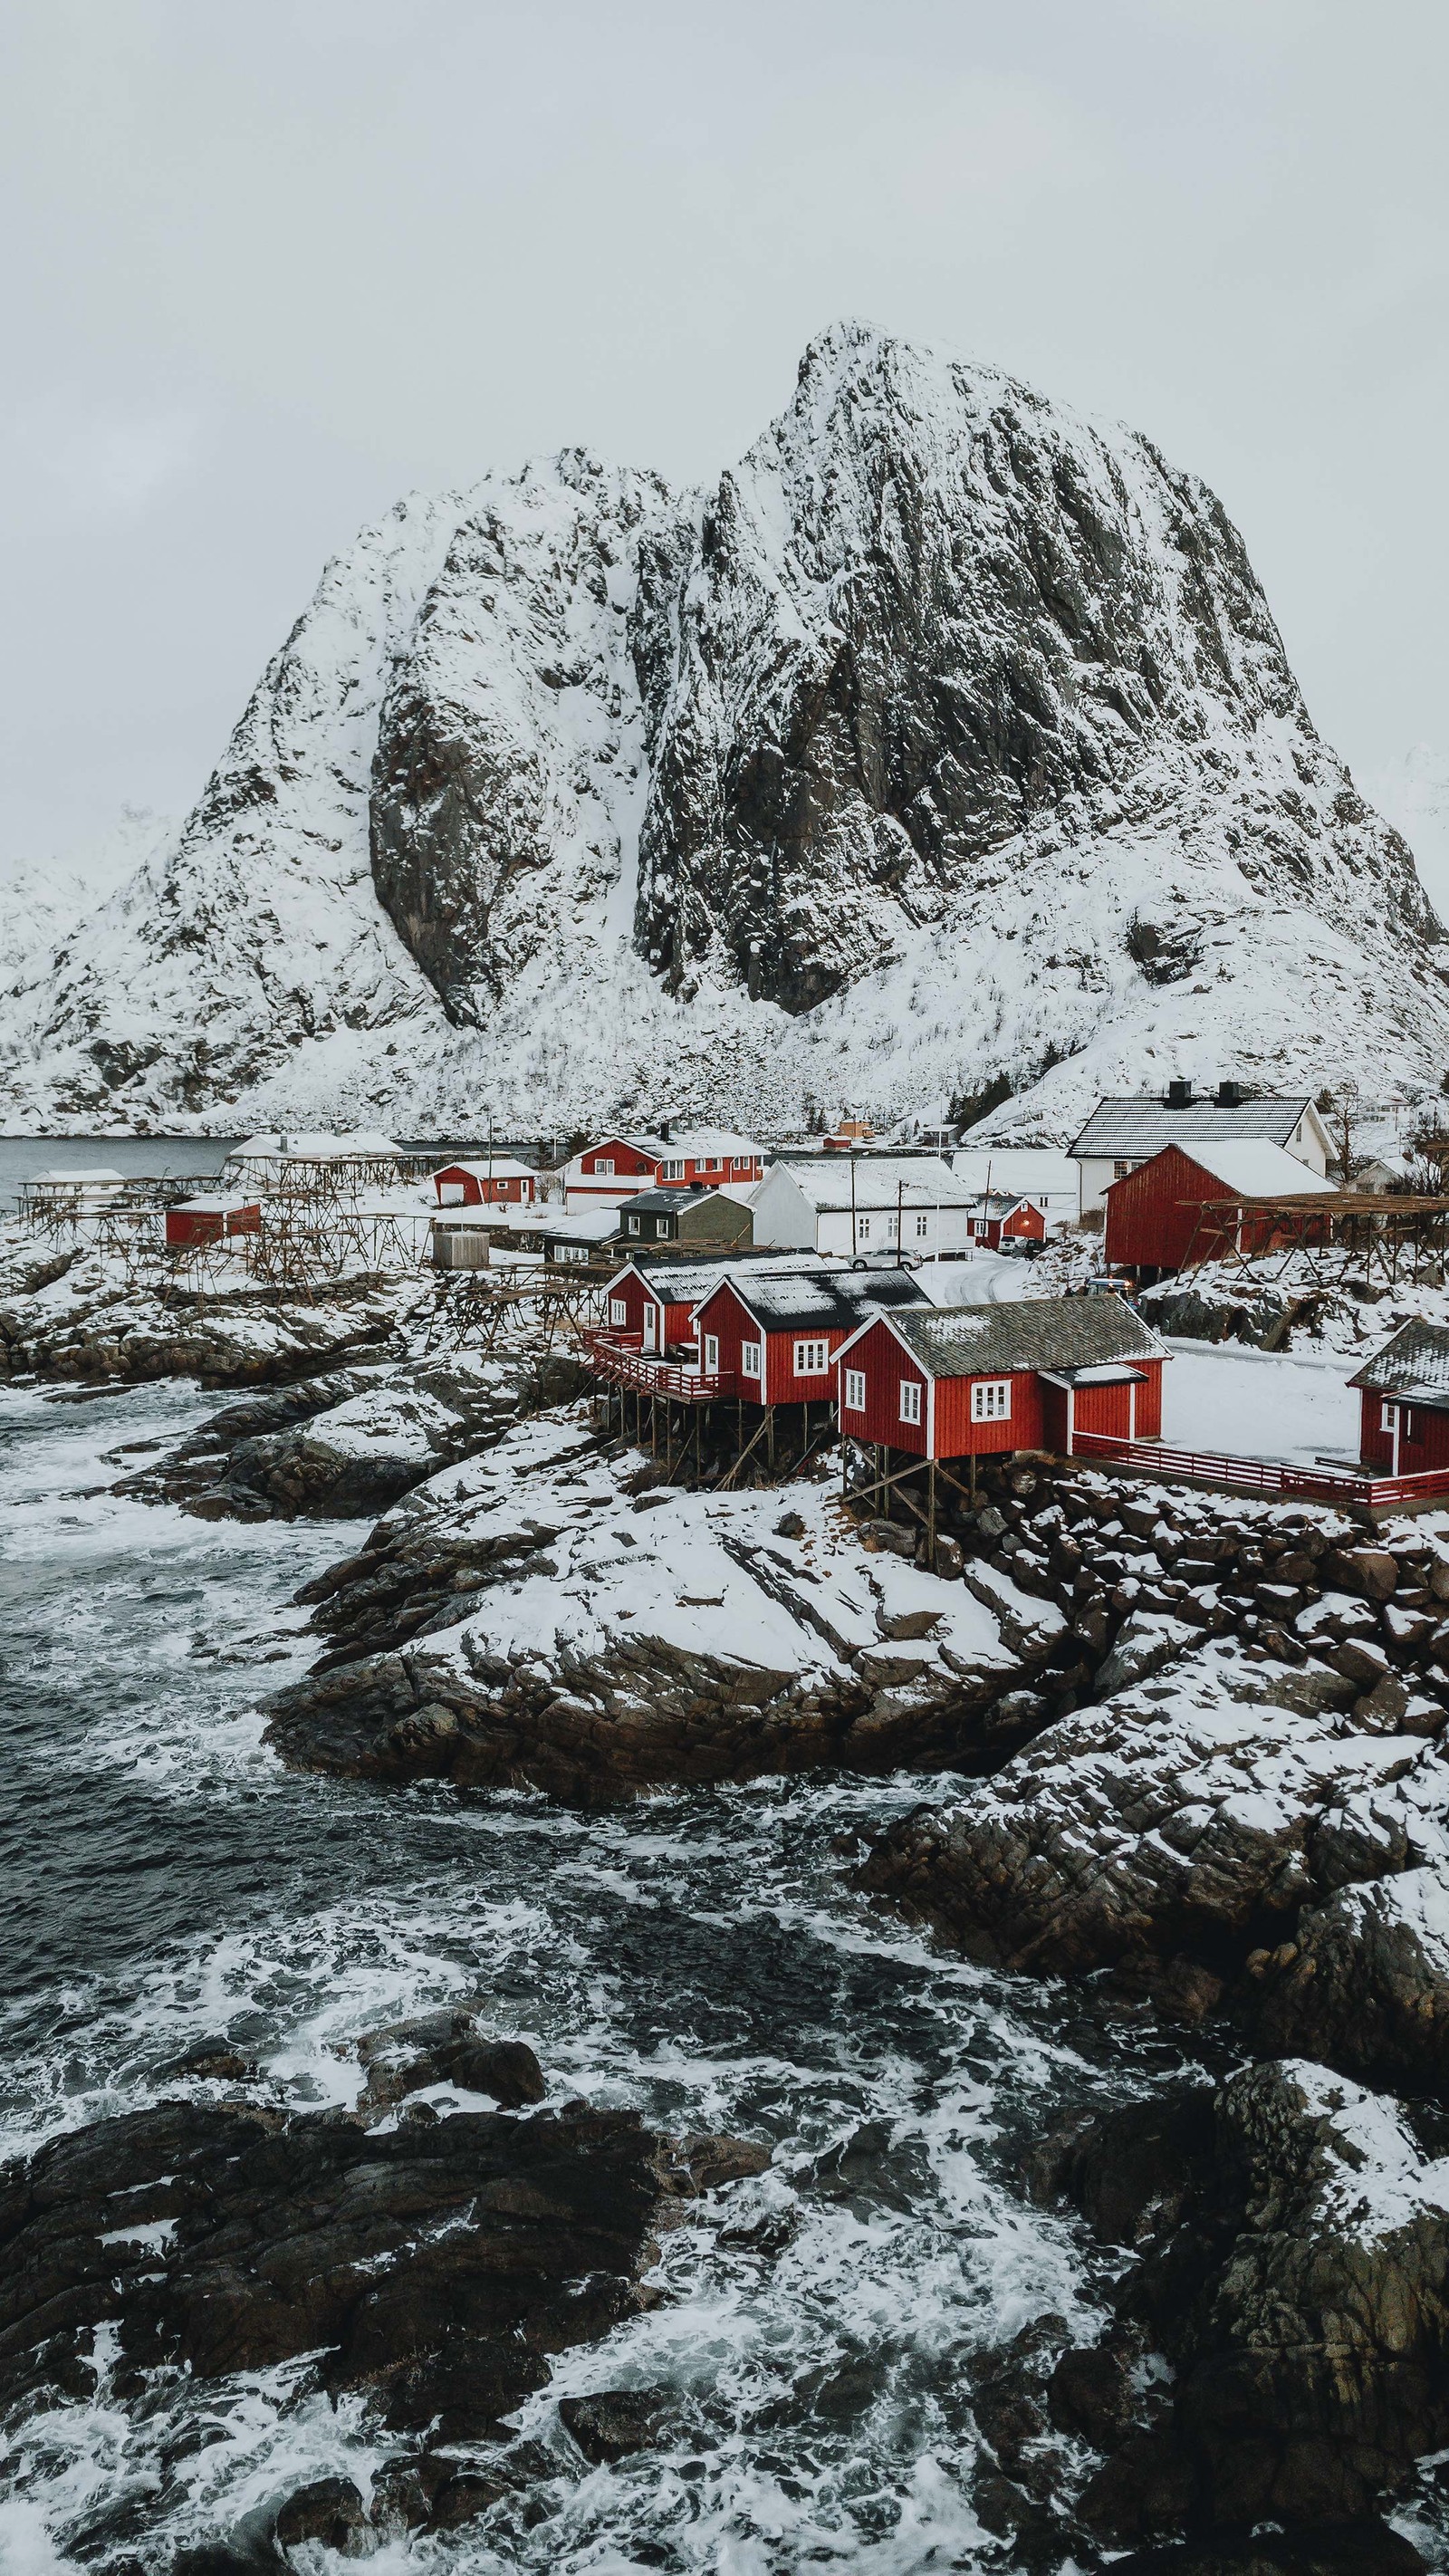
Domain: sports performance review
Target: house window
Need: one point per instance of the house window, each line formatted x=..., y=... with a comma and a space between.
x=1389, y=1418
x=571, y=1252
x=855, y=1390
x=812, y=1359
x=710, y=1163
x=618, y=1311
x=750, y=1360
x=633, y=1225
x=991, y=1400
x=910, y=1399
x=661, y=1226
x=978, y=1228
x=671, y=1171
x=862, y=1229
x=604, y=1164
x=1120, y=1170
x=742, y=1162
x=711, y=1354
x=923, y=1228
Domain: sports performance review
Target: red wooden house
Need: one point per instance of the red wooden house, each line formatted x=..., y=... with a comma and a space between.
x=1199, y=1199
x=620, y=1166
x=211, y=1220
x=1404, y=1392
x=651, y=1304
x=770, y=1335
x=1002, y=1219
x=502, y=1182
x=963, y=1381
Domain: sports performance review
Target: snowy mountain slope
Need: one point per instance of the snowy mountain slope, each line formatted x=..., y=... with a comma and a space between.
x=949, y=741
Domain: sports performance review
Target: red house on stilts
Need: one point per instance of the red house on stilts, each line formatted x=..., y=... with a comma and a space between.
x=971, y=1381
x=770, y=1335
x=1404, y=1391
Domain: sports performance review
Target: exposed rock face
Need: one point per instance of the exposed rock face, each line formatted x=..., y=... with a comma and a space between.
x=949, y=735
x=1293, y=2266
x=437, y=2264
x=73, y=1316
x=1365, y=1983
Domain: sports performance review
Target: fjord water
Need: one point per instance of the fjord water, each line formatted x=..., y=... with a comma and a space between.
x=700, y=1955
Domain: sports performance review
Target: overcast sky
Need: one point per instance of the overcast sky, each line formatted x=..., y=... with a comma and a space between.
x=267, y=266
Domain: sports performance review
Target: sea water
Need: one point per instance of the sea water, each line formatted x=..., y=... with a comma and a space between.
x=702, y=1955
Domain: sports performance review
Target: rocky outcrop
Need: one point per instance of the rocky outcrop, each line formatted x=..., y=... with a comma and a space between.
x=1290, y=2250
x=76, y=1316
x=946, y=739
x=345, y=1445
x=1364, y=1982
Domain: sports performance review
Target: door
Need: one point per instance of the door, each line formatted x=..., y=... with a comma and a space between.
x=651, y=1325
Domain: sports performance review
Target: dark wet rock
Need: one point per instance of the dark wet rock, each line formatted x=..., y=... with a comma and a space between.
x=448, y=2048
x=1292, y=2267
x=1364, y=1985
x=329, y=2511
x=1330, y=2549
x=107, y=1327
x=437, y=2267
x=615, y=2422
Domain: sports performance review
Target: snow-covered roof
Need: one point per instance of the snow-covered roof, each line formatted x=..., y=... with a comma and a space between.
x=1414, y=1365
x=1256, y=1168
x=368, y=1141
x=881, y=1181
x=213, y=1205
x=1143, y=1126
x=1035, y=1172
x=697, y=1141
x=812, y=1300
x=681, y=1283
x=504, y=1167
x=584, y=1225
x=1061, y=1333
x=1002, y=1202
x=102, y=1174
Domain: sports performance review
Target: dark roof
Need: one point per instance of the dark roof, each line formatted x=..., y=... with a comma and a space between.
x=1415, y=1364
x=805, y=1301
x=667, y=1202
x=1059, y=1333
x=1143, y=1126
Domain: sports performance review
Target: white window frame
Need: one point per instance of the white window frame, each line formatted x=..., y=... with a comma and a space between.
x=862, y=1229
x=633, y=1225
x=742, y=1162
x=710, y=1164
x=711, y=1354
x=991, y=1399
x=812, y=1357
x=855, y=1390
x=923, y=1228
x=911, y=1400
x=661, y=1229
x=1389, y=1417
x=618, y=1311
x=604, y=1167
x=451, y=1194
x=672, y=1171
x=752, y=1360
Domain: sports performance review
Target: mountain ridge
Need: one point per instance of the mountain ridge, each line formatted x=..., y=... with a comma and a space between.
x=948, y=740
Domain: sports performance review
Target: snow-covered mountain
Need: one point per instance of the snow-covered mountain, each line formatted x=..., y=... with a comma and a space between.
x=949, y=743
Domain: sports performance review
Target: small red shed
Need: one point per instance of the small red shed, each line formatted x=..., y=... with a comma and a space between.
x=211, y=1220
x=1404, y=1392
x=965, y=1381
x=1155, y=1212
x=1001, y=1218
x=503, y=1182
x=772, y=1334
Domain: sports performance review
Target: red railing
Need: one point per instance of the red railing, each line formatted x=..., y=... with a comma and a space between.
x=1263, y=1475
x=629, y=1366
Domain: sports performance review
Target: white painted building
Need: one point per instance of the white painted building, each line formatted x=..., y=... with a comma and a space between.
x=853, y=1205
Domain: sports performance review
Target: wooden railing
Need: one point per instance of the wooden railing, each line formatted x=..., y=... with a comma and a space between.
x=1267, y=1476
x=650, y=1374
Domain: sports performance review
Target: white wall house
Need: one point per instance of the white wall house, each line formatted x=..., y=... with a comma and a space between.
x=908, y=1202
x=1120, y=1134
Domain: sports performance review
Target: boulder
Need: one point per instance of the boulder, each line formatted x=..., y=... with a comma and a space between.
x=1365, y=1983
x=615, y=2422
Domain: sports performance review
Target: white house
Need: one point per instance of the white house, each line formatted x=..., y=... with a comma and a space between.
x=1120, y=1134
x=857, y=1204
x=1042, y=1173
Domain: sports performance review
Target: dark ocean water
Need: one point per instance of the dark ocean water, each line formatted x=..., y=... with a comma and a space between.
x=701, y=1955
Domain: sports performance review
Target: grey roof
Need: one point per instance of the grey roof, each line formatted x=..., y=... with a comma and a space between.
x=1141, y=1127
x=1415, y=1364
x=822, y=1300
x=668, y=1202
x=1059, y=1333
x=683, y=1283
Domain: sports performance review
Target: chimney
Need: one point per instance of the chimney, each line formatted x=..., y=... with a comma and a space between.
x=1179, y=1094
x=1230, y=1095
x=664, y=1135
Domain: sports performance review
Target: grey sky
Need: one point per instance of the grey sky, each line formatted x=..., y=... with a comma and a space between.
x=268, y=266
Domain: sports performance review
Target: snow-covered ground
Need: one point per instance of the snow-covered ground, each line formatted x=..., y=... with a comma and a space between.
x=1258, y=1404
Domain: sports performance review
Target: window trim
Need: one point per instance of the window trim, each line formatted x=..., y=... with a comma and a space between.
x=807, y=1367
x=1389, y=1419
x=911, y=1393
x=854, y=1395
x=618, y=1311
x=983, y=1391
x=603, y=1167
x=752, y=1360
x=634, y=1224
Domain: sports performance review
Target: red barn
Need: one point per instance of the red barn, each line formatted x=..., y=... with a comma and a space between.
x=963, y=1381
x=1404, y=1391
x=503, y=1182
x=772, y=1334
x=1154, y=1213
x=1002, y=1218
x=211, y=1220
x=699, y=1157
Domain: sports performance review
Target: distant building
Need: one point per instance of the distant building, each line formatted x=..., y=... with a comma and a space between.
x=1404, y=1393
x=1120, y=1134
x=770, y=1336
x=190, y=1222
x=971, y=1381
x=696, y=1215
x=1041, y=1173
x=587, y=1235
x=1003, y=1219
x=618, y=1167
x=858, y=1205
x=1181, y=1198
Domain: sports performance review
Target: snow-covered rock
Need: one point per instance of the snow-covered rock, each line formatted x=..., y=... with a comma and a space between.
x=948, y=741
